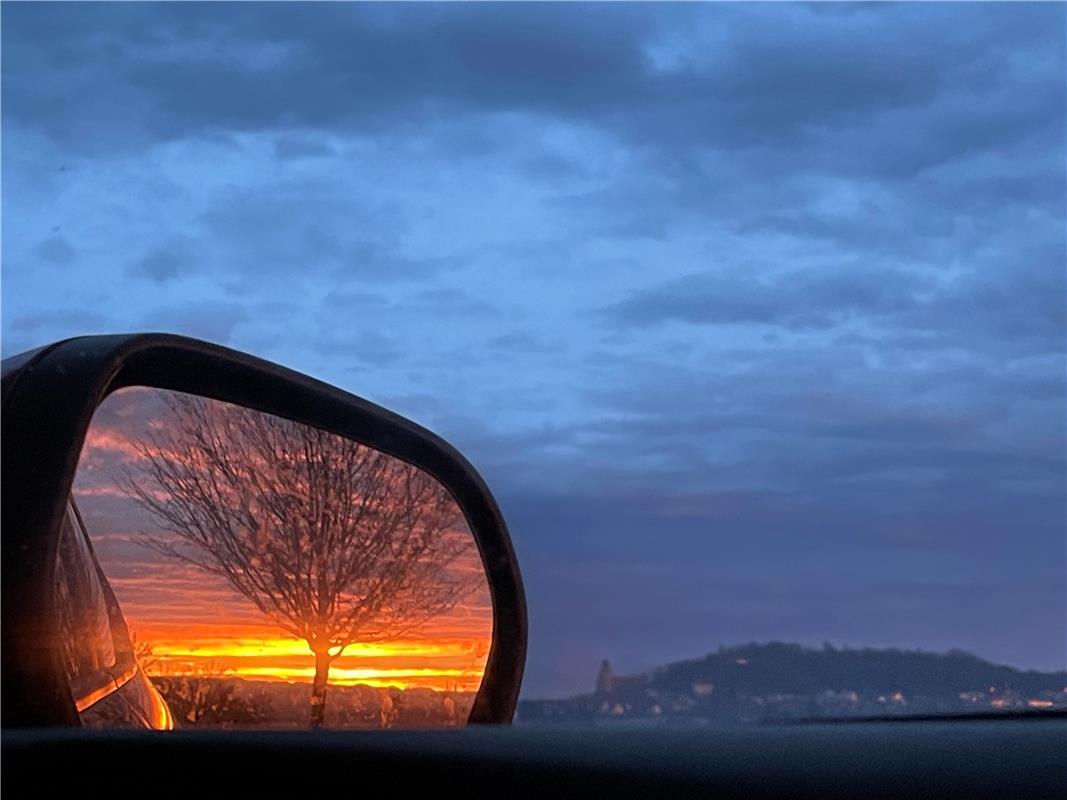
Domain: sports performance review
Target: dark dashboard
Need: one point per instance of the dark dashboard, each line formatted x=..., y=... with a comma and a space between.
x=984, y=758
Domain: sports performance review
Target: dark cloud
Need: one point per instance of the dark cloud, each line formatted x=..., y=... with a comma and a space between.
x=57, y=250
x=291, y=147
x=165, y=261
x=1021, y=304
x=1011, y=304
x=368, y=347
x=810, y=299
x=354, y=302
x=405, y=308
x=278, y=228
x=773, y=77
x=549, y=166
x=520, y=342
x=263, y=234
x=438, y=303
x=322, y=67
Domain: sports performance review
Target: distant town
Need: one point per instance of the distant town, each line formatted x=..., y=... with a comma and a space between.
x=780, y=681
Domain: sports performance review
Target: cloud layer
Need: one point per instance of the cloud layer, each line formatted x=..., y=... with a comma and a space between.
x=753, y=316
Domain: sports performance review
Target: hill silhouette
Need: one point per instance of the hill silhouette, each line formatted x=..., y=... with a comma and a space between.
x=753, y=682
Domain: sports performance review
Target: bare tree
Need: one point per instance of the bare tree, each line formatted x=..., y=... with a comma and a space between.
x=144, y=653
x=334, y=541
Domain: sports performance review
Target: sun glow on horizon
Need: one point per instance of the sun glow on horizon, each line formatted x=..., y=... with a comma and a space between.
x=440, y=664
x=215, y=646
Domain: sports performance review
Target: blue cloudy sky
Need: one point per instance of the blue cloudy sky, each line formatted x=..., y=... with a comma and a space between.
x=751, y=315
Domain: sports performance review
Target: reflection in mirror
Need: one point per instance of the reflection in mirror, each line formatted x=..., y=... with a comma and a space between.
x=272, y=574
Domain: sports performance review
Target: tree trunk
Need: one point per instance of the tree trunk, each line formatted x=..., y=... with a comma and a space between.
x=318, y=688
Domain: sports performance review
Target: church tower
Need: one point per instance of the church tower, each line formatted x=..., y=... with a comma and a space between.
x=604, y=678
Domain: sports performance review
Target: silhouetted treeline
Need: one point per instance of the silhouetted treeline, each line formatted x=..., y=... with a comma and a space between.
x=232, y=702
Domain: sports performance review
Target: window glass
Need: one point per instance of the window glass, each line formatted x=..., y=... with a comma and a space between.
x=84, y=625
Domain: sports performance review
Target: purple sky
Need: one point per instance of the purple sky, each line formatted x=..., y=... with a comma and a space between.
x=752, y=316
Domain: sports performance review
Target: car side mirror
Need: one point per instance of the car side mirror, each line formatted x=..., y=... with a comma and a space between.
x=254, y=523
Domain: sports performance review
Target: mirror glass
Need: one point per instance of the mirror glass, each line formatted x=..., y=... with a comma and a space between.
x=262, y=573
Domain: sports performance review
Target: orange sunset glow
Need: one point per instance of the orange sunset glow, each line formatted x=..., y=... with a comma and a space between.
x=258, y=653
x=188, y=621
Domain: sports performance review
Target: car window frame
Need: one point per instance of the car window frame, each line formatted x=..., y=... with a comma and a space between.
x=94, y=687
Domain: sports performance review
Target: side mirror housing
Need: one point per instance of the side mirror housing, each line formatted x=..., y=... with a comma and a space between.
x=49, y=397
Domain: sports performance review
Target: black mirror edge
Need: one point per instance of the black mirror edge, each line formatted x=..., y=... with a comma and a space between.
x=48, y=403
